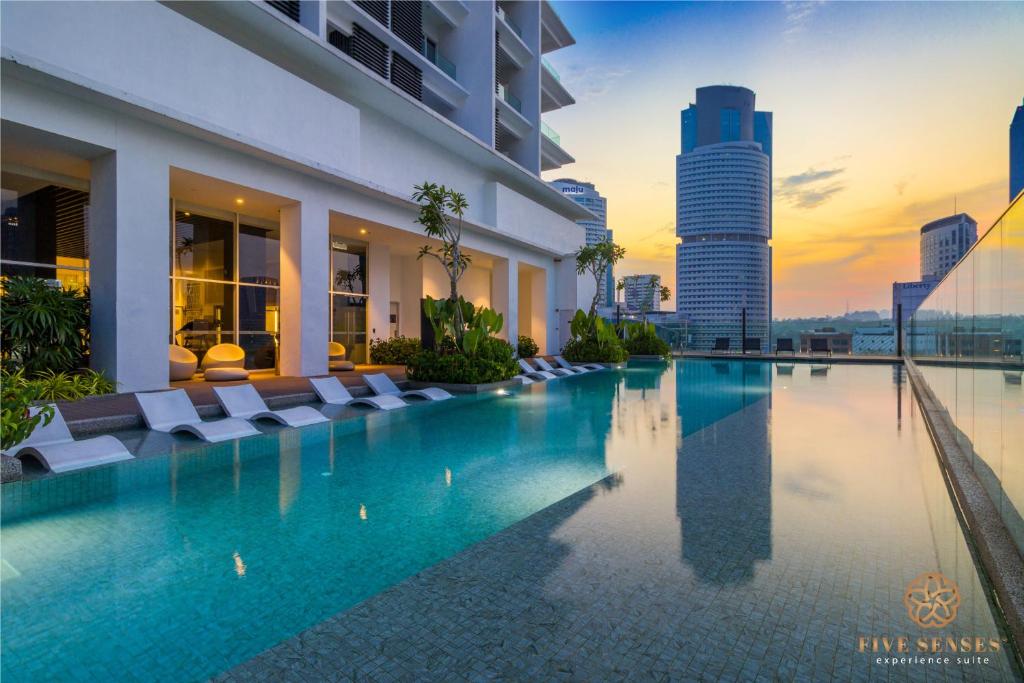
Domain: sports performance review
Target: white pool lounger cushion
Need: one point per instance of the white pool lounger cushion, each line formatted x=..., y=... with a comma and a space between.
x=172, y=411
x=242, y=400
x=382, y=385
x=58, y=451
x=586, y=366
x=332, y=391
x=547, y=367
x=534, y=373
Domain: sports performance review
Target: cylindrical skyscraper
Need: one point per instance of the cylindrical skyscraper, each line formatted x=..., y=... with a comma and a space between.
x=724, y=219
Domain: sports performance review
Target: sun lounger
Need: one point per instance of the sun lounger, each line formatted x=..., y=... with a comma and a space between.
x=172, y=411
x=721, y=345
x=752, y=344
x=524, y=379
x=547, y=367
x=332, y=391
x=534, y=373
x=586, y=366
x=242, y=400
x=820, y=345
x=382, y=385
x=54, y=447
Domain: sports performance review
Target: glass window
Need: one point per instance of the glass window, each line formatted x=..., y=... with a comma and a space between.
x=44, y=230
x=348, y=326
x=203, y=315
x=259, y=254
x=348, y=268
x=203, y=246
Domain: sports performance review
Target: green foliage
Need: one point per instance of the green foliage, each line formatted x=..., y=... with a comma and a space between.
x=60, y=386
x=642, y=340
x=16, y=424
x=652, y=287
x=593, y=340
x=447, y=317
x=492, y=362
x=438, y=204
x=527, y=348
x=596, y=259
x=42, y=327
x=394, y=351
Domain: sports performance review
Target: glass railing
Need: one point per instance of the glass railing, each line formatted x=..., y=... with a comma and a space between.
x=508, y=20
x=550, y=133
x=439, y=60
x=550, y=68
x=513, y=101
x=966, y=340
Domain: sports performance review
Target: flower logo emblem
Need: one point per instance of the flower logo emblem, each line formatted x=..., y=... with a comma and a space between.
x=932, y=600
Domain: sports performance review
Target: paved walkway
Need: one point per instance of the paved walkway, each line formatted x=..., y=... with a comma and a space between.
x=121, y=411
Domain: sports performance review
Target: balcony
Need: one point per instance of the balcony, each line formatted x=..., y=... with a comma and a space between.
x=450, y=12
x=435, y=57
x=509, y=109
x=553, y=94
x=510, y=40
x=513, y=101
x=553, y=33
x=552, y=155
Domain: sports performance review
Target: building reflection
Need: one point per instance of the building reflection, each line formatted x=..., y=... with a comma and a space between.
x=723, y=475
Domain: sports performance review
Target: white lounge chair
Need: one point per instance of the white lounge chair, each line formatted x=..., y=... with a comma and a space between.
x=54, y=447
x=533, y=373
x=242, y=400
x=172, y=411
x=524, y=379
x=586, y=366
x=382, y=385
x=332, y=391
x=547, y=367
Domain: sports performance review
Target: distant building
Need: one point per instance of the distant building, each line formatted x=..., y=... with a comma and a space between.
x=838, y=342
x=1017, y=152
x=910, y=295
x=879, y=340
x=641, y=291
x=587, y=196
x=724, y=216
x=944, y=242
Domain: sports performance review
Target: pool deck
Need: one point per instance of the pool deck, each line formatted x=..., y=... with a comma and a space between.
x=101, y=414
x=793, y=357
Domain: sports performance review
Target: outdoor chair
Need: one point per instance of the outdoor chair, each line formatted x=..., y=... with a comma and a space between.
x=183, y=363
x=533, y=373
x=172, y=411
x=332, y=391
x=752, y=344
x=224, y=362
x=242, y=400
x=336, y=357
x=382, y=385
x=547, y=367
x=784, y=345
x=54, y=447
x=820, y=345
x=721, y=345
x=586, y=366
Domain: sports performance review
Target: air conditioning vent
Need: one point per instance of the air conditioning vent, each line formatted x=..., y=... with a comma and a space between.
x=406, y=76
x=407, y=23
x=378, y=9
x=369, y=51
x=289, y=8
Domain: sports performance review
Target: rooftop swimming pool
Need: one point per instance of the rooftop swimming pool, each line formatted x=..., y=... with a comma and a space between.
x=757, y=518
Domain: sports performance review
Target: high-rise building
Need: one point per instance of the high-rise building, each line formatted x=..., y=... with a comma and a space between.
x=640, y=292
x=587, y=196
x=944, y=242
x=1017, y=152
x=254, y=188
x=724, y=216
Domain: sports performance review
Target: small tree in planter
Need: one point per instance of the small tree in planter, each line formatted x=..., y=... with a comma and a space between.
x=596, y=259
x=438, y=206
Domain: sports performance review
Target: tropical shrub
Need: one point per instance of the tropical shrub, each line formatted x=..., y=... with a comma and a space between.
x=493, y=362
x=642, y=340
x=42, y=327
x=62, y=386
x=16, y=423
x=593, y=341
x=394, y=351
x=527, y=348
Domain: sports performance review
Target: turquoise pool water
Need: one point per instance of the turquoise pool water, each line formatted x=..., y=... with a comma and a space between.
x=181, y=566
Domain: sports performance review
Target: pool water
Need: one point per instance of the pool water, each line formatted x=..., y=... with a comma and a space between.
x=182, y=566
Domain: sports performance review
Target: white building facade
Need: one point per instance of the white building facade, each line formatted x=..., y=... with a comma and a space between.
x=944, y=242
x=242, y=172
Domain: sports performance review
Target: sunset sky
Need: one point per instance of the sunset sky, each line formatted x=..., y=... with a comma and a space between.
x=882, y=114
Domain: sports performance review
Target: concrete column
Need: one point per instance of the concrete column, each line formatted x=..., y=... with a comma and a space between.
x=505, y=296
x=129, y=268
x=541, y=308
x=305, y=278
x=378, y=286
x=410, y=296
x=573, y=292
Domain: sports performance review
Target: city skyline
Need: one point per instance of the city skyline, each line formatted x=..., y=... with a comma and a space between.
x=857, y=171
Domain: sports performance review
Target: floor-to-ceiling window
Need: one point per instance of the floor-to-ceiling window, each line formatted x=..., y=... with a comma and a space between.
x=225, y=272
x=44, y=229
x=348, y=297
